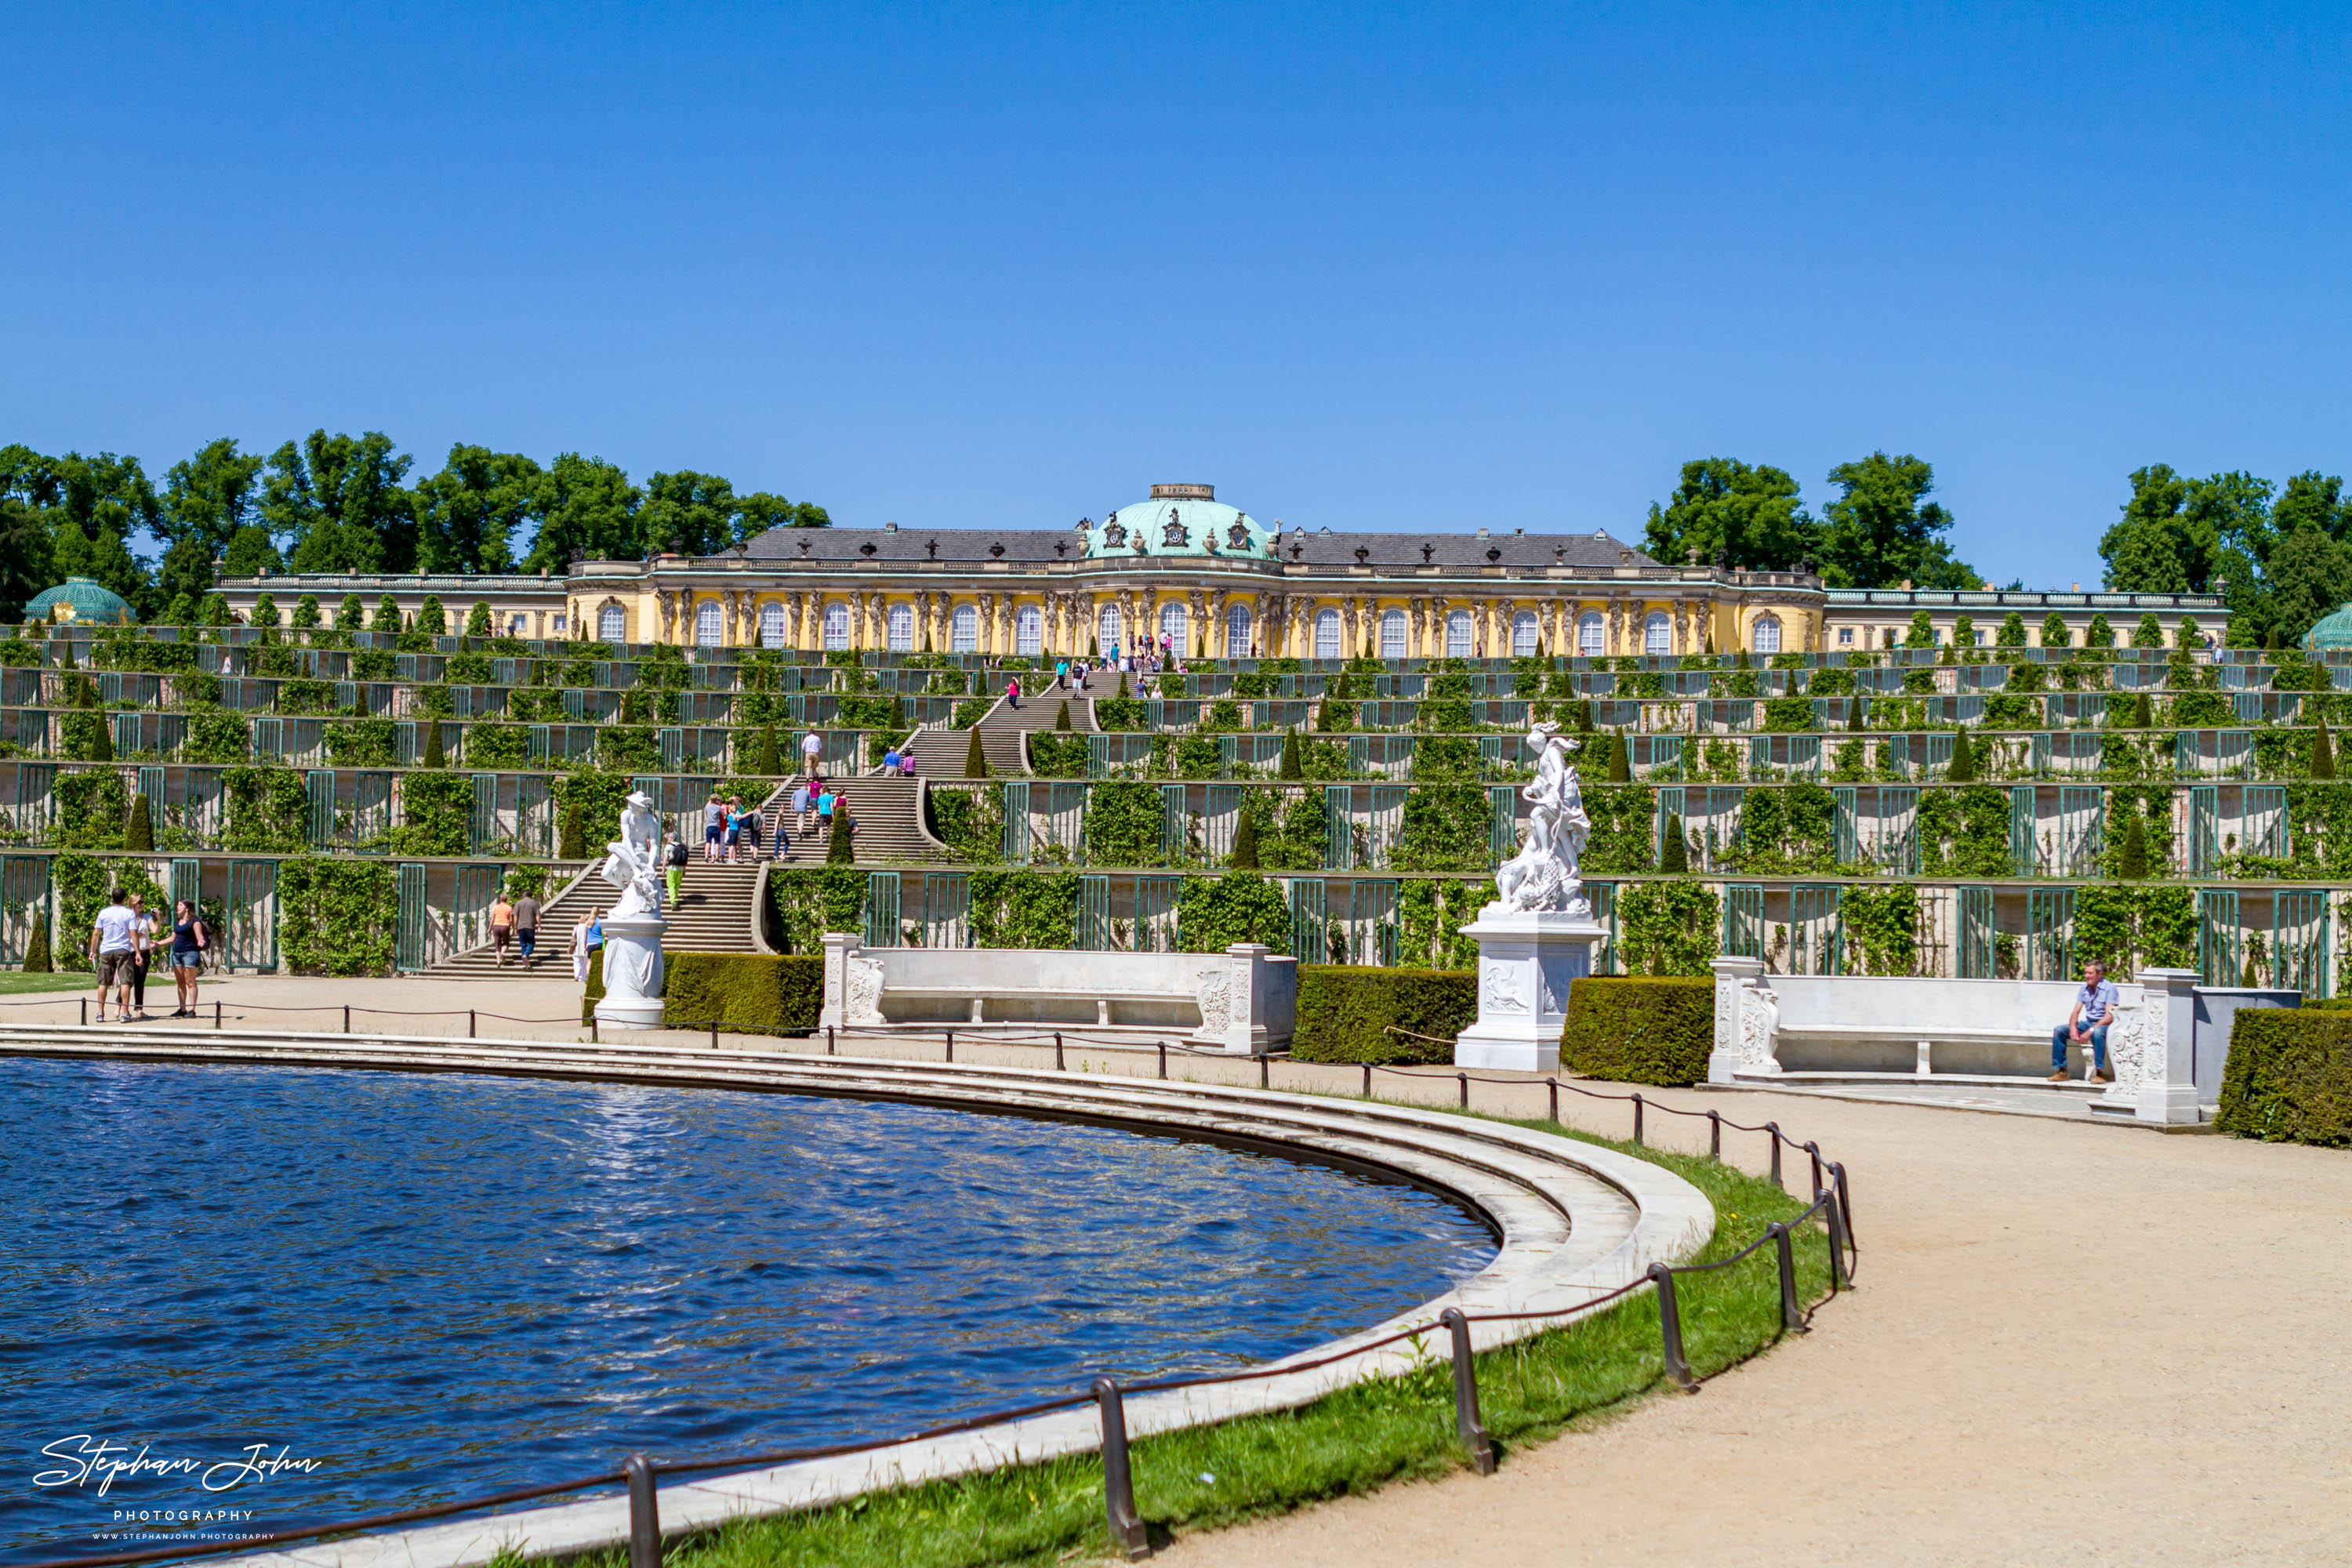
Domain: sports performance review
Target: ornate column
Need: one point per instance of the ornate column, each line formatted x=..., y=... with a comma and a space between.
x=1418, y=611
x=988, y=622
x=1348, y=645
x=1199, y=599
x=793, y=604
x=1005, y=621
x=668, y=603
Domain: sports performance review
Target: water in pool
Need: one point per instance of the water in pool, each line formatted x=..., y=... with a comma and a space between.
x=435, y=1286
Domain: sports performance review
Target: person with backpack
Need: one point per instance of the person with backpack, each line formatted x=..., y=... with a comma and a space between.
x=678, y=858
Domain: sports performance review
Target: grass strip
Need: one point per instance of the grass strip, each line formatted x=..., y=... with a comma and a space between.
x=15, y=979
x=1350, y=1442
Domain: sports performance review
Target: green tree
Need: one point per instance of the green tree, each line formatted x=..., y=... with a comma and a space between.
x=434, y=755
x=2150, y=633
x=1244, y=856
x=207, y=503
x=975, y=757
x=2011, y=633
x=26, y=552
x=1963, y=769
x=688, y=512
x=250, y=552
x=2322, y=753
x=2131, y=862
x=760, y=511
x=1291, y=767
x=2099, y=634
x=771, y=760
x=1750, y=515
x=37, y=944
x=306, y=612
x=350, y=615
x=586, y=507
x=468, y=513
x=336, y=501
x=2054, y=632
x=1922, y=633
x=2309, y=574
x=1621, y=760
x=477, y=619
x=430, y=618
x=387, y=615
x=1882, y=530
x=1673, y=849
x=265, y=610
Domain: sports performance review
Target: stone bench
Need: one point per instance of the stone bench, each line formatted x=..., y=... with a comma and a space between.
x=1778, y=1028
x=1244, y=999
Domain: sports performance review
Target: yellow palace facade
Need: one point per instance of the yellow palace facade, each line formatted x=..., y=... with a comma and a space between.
x=1205, y=578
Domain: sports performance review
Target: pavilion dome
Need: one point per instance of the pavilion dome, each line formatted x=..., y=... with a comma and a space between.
x=1178, y=519
x=2331, y=633
x=81, y=600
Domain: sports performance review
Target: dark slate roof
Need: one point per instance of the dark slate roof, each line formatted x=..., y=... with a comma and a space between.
x=967, y=544
x=1400, y=551
x=1459, y=550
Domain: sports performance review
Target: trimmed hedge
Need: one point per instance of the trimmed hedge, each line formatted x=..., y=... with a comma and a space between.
x=1657, y=1030
x=748, y=993
x=1344, y=1012
x=2289, y=1078
x=595, y=991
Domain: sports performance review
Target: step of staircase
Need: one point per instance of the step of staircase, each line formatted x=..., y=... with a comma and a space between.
x=890, y=821
x=942, y=753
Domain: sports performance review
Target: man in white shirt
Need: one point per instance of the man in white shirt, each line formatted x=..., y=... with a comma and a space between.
x=114, y=949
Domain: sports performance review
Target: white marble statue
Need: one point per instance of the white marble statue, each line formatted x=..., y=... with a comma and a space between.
x=634, y=863
x=1542, y=878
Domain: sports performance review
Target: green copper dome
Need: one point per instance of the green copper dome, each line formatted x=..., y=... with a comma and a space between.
x=80, y=599
x=2331, y=632
x=1179, y=519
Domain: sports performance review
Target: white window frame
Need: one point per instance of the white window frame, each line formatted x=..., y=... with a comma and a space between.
x=710, y=629
x=1845, y=636
x=963, y=629
x=1392, y=634
x=1110, y=628
x=771, y=624
x=612, y=624
x=1029, y=630
x=1461, y=634
x=1657, y=634
x=1237, y=631
x=1173, y=622
x=836, y=626
x=1592, y=636
x=1326, y=634
x=1524, y=633
x=1764, y=637
x=900, y=619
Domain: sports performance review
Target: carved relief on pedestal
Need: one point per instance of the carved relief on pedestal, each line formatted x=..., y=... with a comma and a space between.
x=1215, y=993
x=1760, y=1028
x=862, y=990
x=1501, y=987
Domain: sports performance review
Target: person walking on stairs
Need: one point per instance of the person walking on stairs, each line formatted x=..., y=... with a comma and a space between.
x=677, y=858
x=501, y=927
x=526, y=926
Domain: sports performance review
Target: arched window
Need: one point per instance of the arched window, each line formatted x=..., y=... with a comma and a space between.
x=1523, y=634
x=613, y=624
x=1171, y=626
x=1591, y=634
x=1767, y=638
x=963, y=629
x=1029, y=629
x=771, y=624
x=1326, y=634
x=1237, y=631
x=1110, y=626
x=1392, y=634
x=1657, y=632
x=706, y=624
x=1459, y=636
x=837, y=626
x=901, y=623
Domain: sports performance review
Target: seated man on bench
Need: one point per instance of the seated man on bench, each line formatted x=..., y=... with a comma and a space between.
x=2095, y=1006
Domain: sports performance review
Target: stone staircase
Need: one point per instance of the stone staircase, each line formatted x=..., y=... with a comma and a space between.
x=942, y=754
x=890, y=821
x=713, y=914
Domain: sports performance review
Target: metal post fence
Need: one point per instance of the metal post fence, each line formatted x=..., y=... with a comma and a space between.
x=644, y=1520
x=1670, y=1328
x=1467, y=1421
x=1127, y=1531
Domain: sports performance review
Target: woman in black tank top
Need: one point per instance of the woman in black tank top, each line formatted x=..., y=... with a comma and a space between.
x=189, y=939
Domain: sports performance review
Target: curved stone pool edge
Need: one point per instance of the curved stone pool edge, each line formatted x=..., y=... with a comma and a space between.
x=1574, y=1221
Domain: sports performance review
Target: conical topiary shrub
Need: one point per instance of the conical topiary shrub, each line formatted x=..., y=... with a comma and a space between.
x=1854, y=715
x=1062, y=718
x=433, y=756
x=838, y=849
x=1245, y=854
x=1673, y=852
x=2323, y=755
x=574, y=844
x=138, y=829
x=2131, y=862
x=1964, y=760
x=37, y=944
x=975, y=757
x=1620, y=759
x=1291, y=768
x=2143, y=714
x=771, y=760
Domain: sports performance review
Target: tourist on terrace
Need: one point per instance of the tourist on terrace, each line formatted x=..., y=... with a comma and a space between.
x=501, y=927
x=580, y=945
x=907, y=763
x=1061, y=675
x=1013, y=692
x=890, y=760
x=677, y=858
x=142, y=936
x=526, y=926
x=189, y=939
x=110, y=947
x=812, y=751
x=714, y=826
x=804, y=802
x=2095, y=1006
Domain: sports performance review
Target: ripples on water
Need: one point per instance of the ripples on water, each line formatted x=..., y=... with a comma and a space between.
x=446, y=1285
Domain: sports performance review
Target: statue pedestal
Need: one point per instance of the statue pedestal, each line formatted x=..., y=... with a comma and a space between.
x=1525, y=963
x=633, y=973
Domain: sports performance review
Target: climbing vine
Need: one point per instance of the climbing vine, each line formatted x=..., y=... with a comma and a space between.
x=969, y=821
x=1215, y=913
x=1024, y=909
x=330, y=915
x=1124, y=824
x=1881, y=928
x=1668, y=927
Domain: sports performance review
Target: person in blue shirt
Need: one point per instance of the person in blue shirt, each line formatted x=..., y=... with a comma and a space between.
x=2094, y=1009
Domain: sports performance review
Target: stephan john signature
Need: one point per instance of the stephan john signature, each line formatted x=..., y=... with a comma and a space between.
x=88, y=1456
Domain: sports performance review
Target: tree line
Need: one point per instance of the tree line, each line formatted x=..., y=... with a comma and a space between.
x=346, y=503
x=2281, y=555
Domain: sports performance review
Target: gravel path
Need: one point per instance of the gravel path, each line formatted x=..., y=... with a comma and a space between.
x=2073, y=1344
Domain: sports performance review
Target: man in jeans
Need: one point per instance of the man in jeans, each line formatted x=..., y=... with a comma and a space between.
x=714, y=826
x=526, y=926
x=2094, y=1008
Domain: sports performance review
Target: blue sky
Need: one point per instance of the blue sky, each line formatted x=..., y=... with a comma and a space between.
x=1360, y=267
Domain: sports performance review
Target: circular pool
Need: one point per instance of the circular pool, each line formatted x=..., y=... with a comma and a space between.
x=404, y=1288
